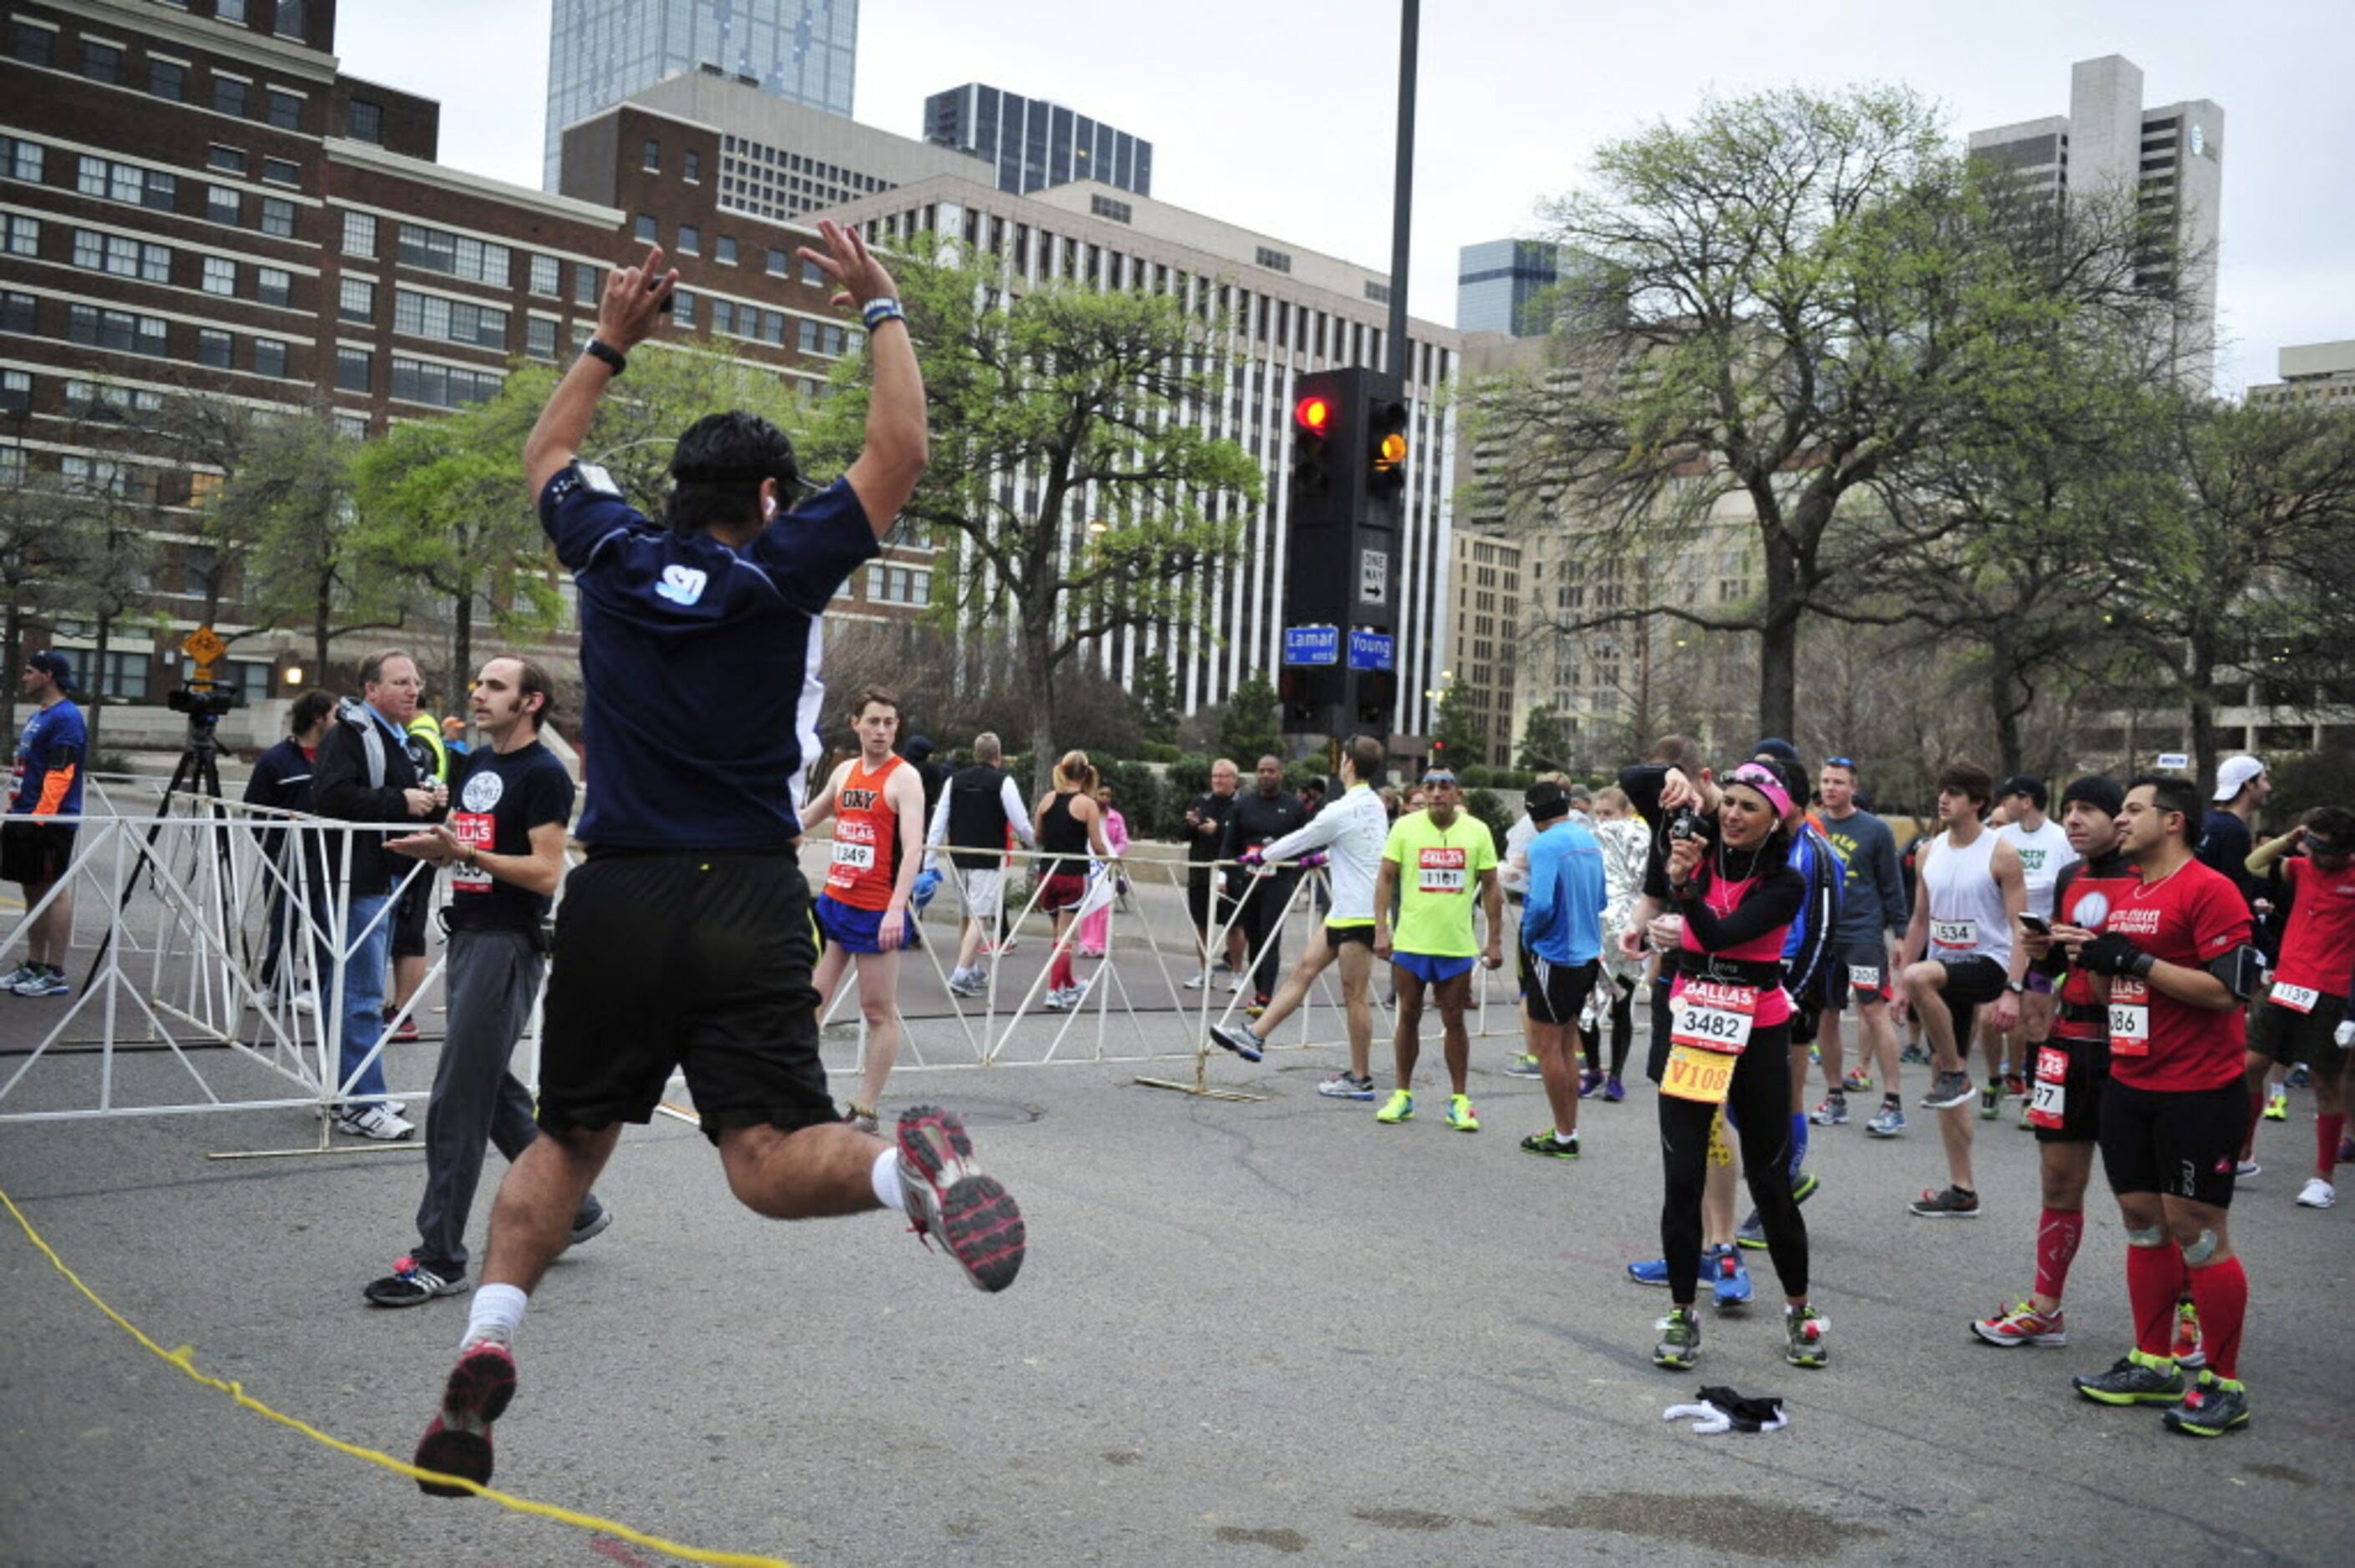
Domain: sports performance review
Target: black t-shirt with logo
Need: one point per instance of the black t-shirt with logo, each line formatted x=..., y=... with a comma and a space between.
x=499, y=798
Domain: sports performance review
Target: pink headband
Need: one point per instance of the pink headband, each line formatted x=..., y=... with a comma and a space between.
x=1762, y=779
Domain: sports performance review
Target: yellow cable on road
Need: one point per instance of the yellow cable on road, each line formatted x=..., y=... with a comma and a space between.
x=184, y=1359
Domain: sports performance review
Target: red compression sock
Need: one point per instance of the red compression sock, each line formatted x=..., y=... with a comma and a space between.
x=2154, y=1275
x=2328, y=1132
x=2221, y=1291
x=2058, y=1232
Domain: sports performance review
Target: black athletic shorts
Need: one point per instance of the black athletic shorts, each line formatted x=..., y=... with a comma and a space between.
x=1555, y=993
x=1971, y=984
x=2288, y=1035
x=693, y=961
x=2083, y=1075
x=1860, y=973
x=1199, y=905
x=2185, y=1143
x=34, y=853
x=410, y=911
x=1339, y=937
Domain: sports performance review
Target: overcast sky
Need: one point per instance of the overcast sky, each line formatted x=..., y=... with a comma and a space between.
x=1279, y=116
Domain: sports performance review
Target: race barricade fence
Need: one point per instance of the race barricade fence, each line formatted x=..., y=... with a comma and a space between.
x=213, y=932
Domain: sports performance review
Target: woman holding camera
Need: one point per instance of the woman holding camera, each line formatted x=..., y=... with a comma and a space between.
x=1730, y=1041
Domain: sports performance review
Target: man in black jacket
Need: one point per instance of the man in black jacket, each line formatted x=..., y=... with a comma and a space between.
x=364, y=773
x=282, y=780
x=1259, y=818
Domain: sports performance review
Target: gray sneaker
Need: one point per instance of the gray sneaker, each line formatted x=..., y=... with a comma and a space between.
x=19, y=975
x=1524, y=1066
x=593, y=1220
x=1948, y=1090
x=1888, y=1121
x=1239, y=1039
x=2136, y=1379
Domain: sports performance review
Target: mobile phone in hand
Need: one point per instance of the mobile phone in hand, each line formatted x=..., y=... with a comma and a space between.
x=2040, y=927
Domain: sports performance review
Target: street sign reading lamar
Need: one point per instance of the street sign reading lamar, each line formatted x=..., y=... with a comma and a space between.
x=1312, y=645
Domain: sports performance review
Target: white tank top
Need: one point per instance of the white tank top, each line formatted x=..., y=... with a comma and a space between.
x=1966, y=914
x=2044, y=855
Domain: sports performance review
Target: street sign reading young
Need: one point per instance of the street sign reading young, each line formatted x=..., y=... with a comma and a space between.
x=1312, y=645
x=1372, y=650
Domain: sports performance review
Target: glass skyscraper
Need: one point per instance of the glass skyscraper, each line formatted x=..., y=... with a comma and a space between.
x=1498, y=285
x=1032, y=143
x=600, y=51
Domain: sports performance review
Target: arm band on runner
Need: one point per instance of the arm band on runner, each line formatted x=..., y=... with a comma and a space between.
x=2243, y=970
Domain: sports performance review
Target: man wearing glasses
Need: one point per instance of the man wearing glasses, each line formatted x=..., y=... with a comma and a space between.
x=1438, y=860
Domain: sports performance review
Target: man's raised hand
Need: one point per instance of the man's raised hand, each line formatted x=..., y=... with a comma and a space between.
x=631, y=307
x=858, y=276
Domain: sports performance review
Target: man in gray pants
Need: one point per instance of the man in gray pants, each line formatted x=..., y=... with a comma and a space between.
x=505, y=844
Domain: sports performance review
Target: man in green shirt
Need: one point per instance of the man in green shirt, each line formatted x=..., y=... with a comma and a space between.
x=1437, y=860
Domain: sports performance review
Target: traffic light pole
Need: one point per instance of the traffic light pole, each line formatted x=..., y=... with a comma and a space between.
x=1402, y=192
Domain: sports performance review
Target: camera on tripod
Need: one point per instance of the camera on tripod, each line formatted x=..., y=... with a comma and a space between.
x=204, y=704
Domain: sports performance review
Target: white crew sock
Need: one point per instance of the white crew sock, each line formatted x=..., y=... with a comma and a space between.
x=1564, y=1139
x=496, y=1314
x=885, y=1178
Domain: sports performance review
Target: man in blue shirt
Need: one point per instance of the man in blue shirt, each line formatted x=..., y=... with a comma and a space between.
x=1561, y=940
x=684, y=943
x=35, y=848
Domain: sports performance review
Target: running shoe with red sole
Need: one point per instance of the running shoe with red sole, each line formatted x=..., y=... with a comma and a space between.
x=2022, y=1324
x=459, y=1441
x=949, y=1199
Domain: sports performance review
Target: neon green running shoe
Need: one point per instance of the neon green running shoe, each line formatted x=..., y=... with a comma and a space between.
x=1400, y=1107
x=1460, y=1114
x=1680, y=1343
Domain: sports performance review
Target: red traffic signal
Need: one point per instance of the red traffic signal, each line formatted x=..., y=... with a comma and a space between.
x=1313, y=414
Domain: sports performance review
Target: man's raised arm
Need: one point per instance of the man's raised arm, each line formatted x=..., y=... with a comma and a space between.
x=627, y=314
x=897, y=445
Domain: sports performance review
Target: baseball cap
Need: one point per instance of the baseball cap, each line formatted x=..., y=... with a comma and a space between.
x=54, y=665
x=2232, y=777
x=2025, y=784
x=1782, y=750
x=1545, y=800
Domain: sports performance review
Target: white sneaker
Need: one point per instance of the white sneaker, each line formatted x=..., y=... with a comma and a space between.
x=2316, y=1194
x=1196, y=982
x=376, y=1122
x=24, y=973
x=264, y=1001
x=305, y=1005
x=1235, y=986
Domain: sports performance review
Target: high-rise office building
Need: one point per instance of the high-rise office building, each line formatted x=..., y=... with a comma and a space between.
x=601, y=51
x=2321, y=375
x=2170, y=158
x=1032, y=143
x=1499, y=286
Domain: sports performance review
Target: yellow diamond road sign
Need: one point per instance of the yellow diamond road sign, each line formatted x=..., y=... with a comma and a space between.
x=204, y=645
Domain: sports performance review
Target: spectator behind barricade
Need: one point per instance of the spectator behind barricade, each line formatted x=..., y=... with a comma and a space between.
x=1312, y=798
x=2226, y=839
x=979, y=814
x=1206, y=825
x=34, y=850
x=1259, y=818
x=1097, y=928
x=918, y=753
x=282, y=780
x=416, y=904
x=366, y=773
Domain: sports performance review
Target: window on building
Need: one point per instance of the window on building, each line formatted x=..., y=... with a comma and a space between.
x=356, y=300
x=691, y=166
x=18, y=312
x=1106, y=207
x=273, y=285
x=232, y=11
x=690, y=239
x=15, y=391
x=650, y=156
x=293, y=15
x=367, y=121
x=228, y=160
x=123, y=256
x=441, y=386
x=167, y=79
x=120, y=329
x=12, y=467
x=355, y=369
x=214, y=347
x=723, y=249
x=546, y=274
x=644, y=230
x=35, y=45
x=587, y=281
x=101, y=62
x=812, y=275
x=460, y=255
x=285, y=108
x=220, y=276
x=539, y=337
x=452, y=321
x=282, y=171
x=23, y=234
x=223, y=204
x=229, y=94
x=359, y=234
x=278, y=218
x=351, y=427
x=683, y=309
x=22, y=160
x=270, y=358
x=125, y=676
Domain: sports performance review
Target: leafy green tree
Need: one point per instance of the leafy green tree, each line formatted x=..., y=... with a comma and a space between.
x=1069, y=496
x=1248, y=728
x=1156, y=688
x=106, y=555
x=1780, y=299
x=307, y=565
x=1545, y=742
x=1456, y=729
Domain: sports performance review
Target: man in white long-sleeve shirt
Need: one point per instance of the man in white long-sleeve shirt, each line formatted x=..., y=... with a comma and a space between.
x=979, y=805
x=1350, y=832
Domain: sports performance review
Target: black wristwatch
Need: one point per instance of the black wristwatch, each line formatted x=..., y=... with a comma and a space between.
x=614, y=358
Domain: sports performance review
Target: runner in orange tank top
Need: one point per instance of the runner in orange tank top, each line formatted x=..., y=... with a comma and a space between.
x=877, y=807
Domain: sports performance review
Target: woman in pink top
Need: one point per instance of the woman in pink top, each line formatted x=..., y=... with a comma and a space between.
x=1094, y=929
x=1729, y=1042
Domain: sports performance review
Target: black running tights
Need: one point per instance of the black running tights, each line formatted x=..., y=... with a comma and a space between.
x=1759, y=1108
x=1623, y=1028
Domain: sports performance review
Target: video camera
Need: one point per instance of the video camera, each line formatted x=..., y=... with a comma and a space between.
x=203, y=706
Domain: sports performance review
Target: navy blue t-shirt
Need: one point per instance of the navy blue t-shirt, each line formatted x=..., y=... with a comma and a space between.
x=700, y=663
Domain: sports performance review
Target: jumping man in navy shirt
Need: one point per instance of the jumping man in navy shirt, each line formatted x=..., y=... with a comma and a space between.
x=684, y=942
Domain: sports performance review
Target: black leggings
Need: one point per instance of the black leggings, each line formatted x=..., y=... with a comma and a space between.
x=1623, y=1028
x=1759, y=1106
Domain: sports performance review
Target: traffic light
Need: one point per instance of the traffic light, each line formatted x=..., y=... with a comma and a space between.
x=1318, y=418
x=1385, y=446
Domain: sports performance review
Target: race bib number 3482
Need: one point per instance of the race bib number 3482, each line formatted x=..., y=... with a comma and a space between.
x=1712, y=1016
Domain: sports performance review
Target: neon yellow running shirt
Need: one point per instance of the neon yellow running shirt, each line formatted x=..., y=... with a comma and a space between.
x=1439, y=882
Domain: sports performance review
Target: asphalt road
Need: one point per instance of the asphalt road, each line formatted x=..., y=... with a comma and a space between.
x=1246, y=1332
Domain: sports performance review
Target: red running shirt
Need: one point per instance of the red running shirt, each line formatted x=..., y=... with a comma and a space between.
x=2190, y=917
x=866, y=860
x=1723, y=898
x=2085, y=900
x=2318, y=949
